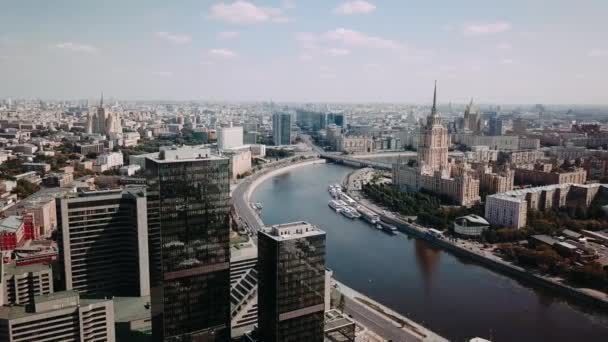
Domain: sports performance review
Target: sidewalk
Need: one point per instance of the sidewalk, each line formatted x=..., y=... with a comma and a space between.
x=409, y=330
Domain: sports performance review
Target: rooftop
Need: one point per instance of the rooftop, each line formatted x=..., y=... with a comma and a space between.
x=55, y=296
x=11, y=223
x=293, y=230
x=13, y=269
x=185, y=153
x=519, y=195
x=128, y=309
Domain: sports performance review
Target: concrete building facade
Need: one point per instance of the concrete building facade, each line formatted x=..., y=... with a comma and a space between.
x=60, y=316
x=104, y=242
x=229, y=137
x=20, y=284
x=510, y=209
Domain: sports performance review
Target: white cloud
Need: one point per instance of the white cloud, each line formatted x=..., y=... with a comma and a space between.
x=244, y=12
x=77, y=47
x=504, y=46
x=288, y=4
x=174, y=38
x=305, y=57
x=163, y=73
x=486, y=28
x=337, y=52
x=223, y=53
x=355, y=7
x=225, y=35
x=598, y=53
x=358, y=39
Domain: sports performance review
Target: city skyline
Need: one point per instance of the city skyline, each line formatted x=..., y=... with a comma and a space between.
x=291, y=51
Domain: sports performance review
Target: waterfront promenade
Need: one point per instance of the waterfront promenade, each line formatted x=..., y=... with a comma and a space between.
x=385, y=322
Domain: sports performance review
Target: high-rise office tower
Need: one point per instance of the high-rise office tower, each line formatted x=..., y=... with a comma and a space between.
x=281, y=129
x=495, y=126
x=291, y=282
x=188, y=206
x=103, y=242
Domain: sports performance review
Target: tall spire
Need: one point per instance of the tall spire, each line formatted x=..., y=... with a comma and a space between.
x=101, y=101
x=434, y=110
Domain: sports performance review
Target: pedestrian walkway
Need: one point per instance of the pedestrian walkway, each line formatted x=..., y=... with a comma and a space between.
x=382, y=320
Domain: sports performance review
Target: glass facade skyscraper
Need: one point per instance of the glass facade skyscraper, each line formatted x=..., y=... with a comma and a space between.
x=291, y=283
x=281, y=128
x=189, y=246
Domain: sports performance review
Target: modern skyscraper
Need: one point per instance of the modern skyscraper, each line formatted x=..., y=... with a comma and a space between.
x=188, y=208
x=281, y=129
x=103, y=242
x=495, y=126
x=291, y=285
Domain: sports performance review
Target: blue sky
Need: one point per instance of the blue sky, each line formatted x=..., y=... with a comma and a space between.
x=516, y=51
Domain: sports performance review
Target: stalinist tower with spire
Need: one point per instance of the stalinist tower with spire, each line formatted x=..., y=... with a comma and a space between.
x=99, y=119
x=433, y=143
x=434, y=172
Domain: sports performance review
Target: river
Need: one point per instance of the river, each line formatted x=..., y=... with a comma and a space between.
x=455, y=298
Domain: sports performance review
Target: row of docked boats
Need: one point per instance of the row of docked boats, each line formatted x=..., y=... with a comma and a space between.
x=345, y=205
x=341, y=207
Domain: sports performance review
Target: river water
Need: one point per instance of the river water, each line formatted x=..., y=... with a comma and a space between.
x=451, y=296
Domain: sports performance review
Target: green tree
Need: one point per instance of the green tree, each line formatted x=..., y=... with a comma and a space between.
x=341, y=303
x=25, y=188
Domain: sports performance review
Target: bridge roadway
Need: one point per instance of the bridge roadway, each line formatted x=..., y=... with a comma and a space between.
x=349, y=160
x=364, y=160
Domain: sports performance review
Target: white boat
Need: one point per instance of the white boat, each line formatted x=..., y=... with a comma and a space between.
x=334, y=193
x=336, y=205
x=350, y=212
x=368, y=215
x=379, y=226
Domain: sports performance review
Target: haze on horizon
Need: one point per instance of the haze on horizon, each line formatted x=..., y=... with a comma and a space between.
x=294, y=50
